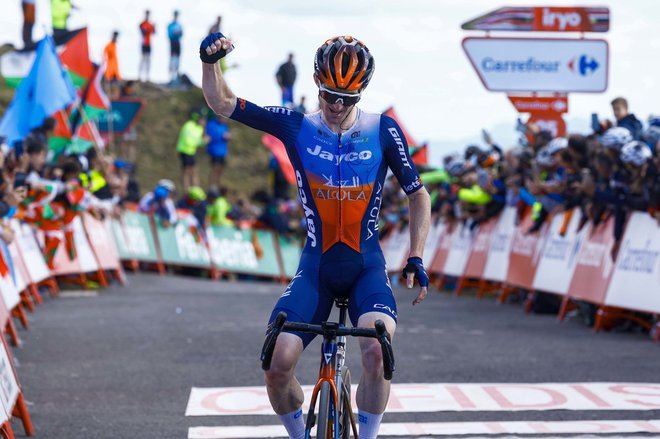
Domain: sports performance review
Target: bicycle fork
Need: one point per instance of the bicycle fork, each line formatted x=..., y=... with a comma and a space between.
x=329, y=350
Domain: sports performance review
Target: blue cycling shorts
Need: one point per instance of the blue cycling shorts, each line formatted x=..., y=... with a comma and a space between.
x=339, y=272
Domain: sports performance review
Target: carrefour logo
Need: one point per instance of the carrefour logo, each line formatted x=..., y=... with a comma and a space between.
x=583, y=65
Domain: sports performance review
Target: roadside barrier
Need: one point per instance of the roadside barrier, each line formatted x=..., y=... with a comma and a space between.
x=561, y=258
x=498, y=256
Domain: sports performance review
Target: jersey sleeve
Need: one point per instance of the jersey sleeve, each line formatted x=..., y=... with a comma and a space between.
x=277, y=121
x=397, y=156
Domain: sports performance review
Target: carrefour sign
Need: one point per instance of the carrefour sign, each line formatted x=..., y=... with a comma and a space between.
x=535, y=64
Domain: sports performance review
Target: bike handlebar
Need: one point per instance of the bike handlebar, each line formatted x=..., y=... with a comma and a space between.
x=329, y=329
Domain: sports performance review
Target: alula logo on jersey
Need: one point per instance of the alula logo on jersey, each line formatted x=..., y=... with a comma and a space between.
x=340, y=195
x=353, y=156
x=309, y=213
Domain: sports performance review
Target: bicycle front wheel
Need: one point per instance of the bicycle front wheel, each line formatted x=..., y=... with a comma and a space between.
x=324, y=426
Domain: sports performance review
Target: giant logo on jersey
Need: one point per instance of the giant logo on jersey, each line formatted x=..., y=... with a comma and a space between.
x=402, y=148
x=353, y=156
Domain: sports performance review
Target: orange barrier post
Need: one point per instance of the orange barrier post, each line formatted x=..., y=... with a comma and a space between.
x=7, y=432
x=19, y=313
x=21, y=412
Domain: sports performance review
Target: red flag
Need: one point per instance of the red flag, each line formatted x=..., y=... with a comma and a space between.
x=279, y=151
x=75, y=57
x=421, y=155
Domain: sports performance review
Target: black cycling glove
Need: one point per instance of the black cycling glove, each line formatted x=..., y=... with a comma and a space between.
x=416, y=266
x=206, y=43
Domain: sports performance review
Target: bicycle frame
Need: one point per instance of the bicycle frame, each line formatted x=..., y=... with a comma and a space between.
x=333, y=354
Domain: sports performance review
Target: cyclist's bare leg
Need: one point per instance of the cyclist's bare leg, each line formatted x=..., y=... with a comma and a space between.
x=373, y=391
x=284, y=391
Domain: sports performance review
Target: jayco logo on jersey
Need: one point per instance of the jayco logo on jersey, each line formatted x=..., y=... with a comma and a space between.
x=402, y=149
x=338, y=158
x=309, y=213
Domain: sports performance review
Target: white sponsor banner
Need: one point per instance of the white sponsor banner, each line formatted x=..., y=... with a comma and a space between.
x=497, y=264
x=19, y=275
x=32, y=255
x=442, y=397
x=395, y=249
x=459, y=252
x=539, y=64
x=433, y=241
x=8, y=384
x=84, y=252
x=411, y=429
x=559, y=256
x=9, y=292
x=635, y=283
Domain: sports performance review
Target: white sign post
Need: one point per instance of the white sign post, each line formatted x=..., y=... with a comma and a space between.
x=539, y=64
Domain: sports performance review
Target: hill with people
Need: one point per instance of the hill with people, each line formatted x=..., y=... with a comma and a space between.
x=158, y=129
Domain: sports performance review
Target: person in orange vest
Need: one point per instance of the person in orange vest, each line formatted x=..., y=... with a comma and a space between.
x=112, y=74
x=147, y=29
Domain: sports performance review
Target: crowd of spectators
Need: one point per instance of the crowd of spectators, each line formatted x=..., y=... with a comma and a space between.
x=609, y=172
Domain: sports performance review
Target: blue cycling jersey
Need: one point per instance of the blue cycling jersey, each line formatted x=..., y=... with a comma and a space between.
x=340, y=177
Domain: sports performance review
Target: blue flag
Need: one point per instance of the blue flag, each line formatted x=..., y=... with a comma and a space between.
x=45, y=90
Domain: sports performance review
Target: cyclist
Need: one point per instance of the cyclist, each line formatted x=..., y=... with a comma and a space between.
x=340, y=155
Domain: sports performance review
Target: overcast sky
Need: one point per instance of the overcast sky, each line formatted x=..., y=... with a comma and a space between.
x=421, y=67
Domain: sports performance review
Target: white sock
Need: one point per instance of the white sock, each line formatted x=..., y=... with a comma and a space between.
x=294, y=424
x=368, y=424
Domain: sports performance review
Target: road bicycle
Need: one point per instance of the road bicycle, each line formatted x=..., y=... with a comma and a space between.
x=335, y=418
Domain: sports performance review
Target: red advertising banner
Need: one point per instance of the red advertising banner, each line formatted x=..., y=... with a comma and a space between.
x=554, y=123
x=543, y=19
x=594, y=268
x=534, y=104
x=525, y=254
x=477, y=261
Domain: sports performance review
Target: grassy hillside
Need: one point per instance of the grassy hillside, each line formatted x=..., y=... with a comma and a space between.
x=158, y=130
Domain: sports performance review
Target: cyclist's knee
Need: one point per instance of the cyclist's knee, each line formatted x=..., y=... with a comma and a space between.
x=286, y=354
x=372, y=357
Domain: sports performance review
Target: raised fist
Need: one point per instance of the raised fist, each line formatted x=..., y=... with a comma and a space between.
x=214, y=47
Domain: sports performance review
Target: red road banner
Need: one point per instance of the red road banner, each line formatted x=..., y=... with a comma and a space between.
x=534, y=104
x=543, y=19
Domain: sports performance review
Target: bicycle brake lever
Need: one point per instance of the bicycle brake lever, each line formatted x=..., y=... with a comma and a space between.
x=269, y=343
x=386, y=348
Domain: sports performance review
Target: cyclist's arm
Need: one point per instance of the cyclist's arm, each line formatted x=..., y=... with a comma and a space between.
x=217, y=93
x=395, y=151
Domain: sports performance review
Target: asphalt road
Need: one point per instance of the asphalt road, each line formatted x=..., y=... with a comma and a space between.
x=121, y=363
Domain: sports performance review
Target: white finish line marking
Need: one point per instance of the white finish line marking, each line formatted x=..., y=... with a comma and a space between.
x=227, y=401
x=450, y=428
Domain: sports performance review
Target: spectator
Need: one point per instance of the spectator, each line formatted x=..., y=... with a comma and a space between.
x=218, y=132
x=217, y=26
x=195, y=202
x=130, y=189
x=219, y=208
x=174, y=33
x=147, y=29
x=286, y=77
x=29, y=14
x=60, y=11
x=112, y=74
x=191, y=137
x=43, y=133
x=301, y=106
x=625, y=119
x=159, y=202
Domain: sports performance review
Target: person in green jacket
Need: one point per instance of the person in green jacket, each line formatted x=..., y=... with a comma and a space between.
x=191, y=137
x=60, y=11
x=218, y=208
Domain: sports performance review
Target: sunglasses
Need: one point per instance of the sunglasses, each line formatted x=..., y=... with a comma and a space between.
x=332, y=97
